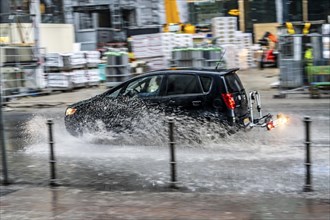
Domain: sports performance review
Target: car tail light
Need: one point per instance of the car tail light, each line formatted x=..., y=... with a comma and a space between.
x=229, y=100
x=270, y=125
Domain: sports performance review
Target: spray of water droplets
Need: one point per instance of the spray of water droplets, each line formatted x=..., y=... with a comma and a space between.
x=135, y=124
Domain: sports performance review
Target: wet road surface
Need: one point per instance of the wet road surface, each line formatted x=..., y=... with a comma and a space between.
x=247, y=162
x=67, y=203
x=249, y=175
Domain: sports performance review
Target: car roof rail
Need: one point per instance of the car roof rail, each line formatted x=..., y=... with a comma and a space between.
x=222, y=71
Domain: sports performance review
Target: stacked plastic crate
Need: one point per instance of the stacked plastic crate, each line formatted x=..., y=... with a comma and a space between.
x=198, y=57
x=153, y=49
x=53, y=61
x=156, y=49
x=245, y=55
x=326, y=40
x=117, y=68
x=224, y=29
x=237, y=44
x=77, y=69
x=72, y=70
x=159, y=47
x=230, y=55
x=213, y=57
x=188, y=57
x=92, y=71
x=140, y=46
x=183, y=40
x=56, y=77
x=20, y=74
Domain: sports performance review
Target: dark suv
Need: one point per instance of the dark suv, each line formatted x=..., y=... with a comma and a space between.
x=196, y=92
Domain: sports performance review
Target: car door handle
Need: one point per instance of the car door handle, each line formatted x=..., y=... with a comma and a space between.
x=196, y=103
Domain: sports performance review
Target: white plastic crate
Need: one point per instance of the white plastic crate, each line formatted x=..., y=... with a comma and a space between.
x=92, y=76
x=244, y=40
x=160, y=44
x=78, y=58
x=53, y=60
x=56, y=76
x=231, y=55
x=221, y=19
x=78, y=77
x=155, y=51
x=223, y=25
x=58, y=80
x=92, y=58
x=58, y=84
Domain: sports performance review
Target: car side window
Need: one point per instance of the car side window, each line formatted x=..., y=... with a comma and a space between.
x=154, y=85
x=182, y=84
x=234, y=83
x=144, y=87
x=206, y=83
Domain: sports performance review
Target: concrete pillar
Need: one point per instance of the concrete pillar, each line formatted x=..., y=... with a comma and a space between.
x=35, y=13
x=285, y=11
x=4, y=8
x=305, y=10
x=279, y=11
x=241, y=15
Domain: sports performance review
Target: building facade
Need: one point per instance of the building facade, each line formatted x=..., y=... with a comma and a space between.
x=260, y=11
x=100, y=23
x=97, y=23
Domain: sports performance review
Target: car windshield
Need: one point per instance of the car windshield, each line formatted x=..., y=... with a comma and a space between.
x=113, y=94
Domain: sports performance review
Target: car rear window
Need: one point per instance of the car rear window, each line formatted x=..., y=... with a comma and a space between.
x=206, y=83
x=233, y=82
x=182, y=84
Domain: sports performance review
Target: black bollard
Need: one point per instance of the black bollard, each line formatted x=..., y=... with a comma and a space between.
x=308, y=163
x=172, y=154
x=52, y=160
x=3, y=145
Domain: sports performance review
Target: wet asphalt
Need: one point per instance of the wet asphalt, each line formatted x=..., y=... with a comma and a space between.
x=68, y=203
x=41, y=201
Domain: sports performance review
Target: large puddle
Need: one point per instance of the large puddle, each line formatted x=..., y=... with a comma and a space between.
x=208, y=159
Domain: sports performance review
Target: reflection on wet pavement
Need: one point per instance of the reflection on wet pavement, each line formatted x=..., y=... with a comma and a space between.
x=246, y=162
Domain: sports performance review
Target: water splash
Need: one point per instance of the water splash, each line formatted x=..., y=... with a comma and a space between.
x=138, y=125
x=209, y=159
x=35, y=130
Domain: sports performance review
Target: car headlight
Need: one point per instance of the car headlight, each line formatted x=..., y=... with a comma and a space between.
x=70, y=111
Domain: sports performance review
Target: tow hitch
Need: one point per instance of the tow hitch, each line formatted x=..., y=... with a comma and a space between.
x=263, y=120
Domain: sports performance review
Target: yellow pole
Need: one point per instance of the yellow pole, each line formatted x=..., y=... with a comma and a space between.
x=171, y=11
